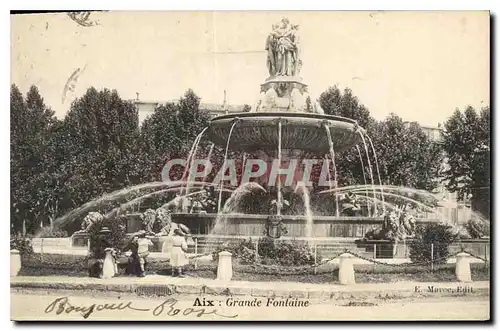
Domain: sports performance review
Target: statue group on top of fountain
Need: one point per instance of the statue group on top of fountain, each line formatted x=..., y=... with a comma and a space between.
x=283, y=49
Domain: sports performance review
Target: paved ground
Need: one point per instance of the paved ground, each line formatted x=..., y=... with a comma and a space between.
x=51, y=305
x=165, y=284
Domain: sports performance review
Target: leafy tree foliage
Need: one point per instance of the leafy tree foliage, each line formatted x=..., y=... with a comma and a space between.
x=467, y=145
x=96, y=147
x=405, y=154
x=170, y=132
x=59, y=165
x=345, y=104
x=32, y=124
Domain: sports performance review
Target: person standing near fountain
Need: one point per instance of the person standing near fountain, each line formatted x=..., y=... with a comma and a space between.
x=140, y=251
x=98, y=253
x=178, y=258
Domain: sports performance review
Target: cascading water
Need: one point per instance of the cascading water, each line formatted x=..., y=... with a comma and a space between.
x=370, y=168
x=378, y=170
x=332, y=155
x=236, y=121
x=230, y=206
x=279, y=200
x=364, y=178
x=307, y=207
x=428, y=206
x=191, y=158
x=209, y=156
x=73, y=214
x=133, y=202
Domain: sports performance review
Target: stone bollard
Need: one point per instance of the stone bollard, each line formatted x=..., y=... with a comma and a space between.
x=225, y=268
x=462, y=269
x=346, y=269
x=109, y=265
x=15, y=262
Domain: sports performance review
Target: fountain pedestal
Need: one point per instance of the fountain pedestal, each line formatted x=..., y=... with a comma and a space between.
x=284, y=93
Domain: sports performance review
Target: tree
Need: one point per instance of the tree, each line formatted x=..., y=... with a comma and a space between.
x=32, y=124
x=334, y=102
x=95, y=149
x=246, y=108
x=170, y=132
x=467, y=146
x=406, y=155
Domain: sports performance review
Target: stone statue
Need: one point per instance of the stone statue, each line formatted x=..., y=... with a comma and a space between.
x=148, y=219
x=271, y=51
x=90, y=219
x=164, y=222
x=350, y=205
x=283, y=49
x=180, y=204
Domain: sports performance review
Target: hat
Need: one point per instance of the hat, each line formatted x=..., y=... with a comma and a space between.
x=183, y=228
x=179, y=232
x=105, y=229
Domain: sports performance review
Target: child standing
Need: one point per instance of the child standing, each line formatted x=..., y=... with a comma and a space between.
x=178, y=258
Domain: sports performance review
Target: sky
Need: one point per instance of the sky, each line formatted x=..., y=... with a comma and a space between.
x=418, y=65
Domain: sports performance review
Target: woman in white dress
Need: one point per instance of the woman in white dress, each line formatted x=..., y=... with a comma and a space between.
x=178, y=258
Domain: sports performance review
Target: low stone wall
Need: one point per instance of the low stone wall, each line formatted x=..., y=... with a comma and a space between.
x=254, y=225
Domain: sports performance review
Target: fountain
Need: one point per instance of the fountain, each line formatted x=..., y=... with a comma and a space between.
x=283, y=127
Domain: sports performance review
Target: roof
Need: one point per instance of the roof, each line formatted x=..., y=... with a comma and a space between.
x=214, y=107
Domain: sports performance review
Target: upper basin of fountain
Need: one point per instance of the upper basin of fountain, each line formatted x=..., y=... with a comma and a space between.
x=304, y=131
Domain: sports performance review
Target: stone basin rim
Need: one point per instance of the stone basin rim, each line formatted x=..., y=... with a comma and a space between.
x=285, y=115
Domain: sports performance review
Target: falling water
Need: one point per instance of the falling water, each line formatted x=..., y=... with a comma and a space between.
x=374, y=200
x=71, y=215
x=400, y=191
x=224, y=163
x=402, y=197
x=364, y=177
x=137, y=200
x=307, y=206
x=244, y=160
x=369, y=167
x=209, y=156
x=361, y=188
x=378, y=170
x=278, y=203
x=230, y=206
x=332, y=155
x=191, y=159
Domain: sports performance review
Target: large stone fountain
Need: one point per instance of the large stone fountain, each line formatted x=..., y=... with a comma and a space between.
x=284, y=123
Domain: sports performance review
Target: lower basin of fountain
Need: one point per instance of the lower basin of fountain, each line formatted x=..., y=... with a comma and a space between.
x=246, y=225
x=303, y=131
